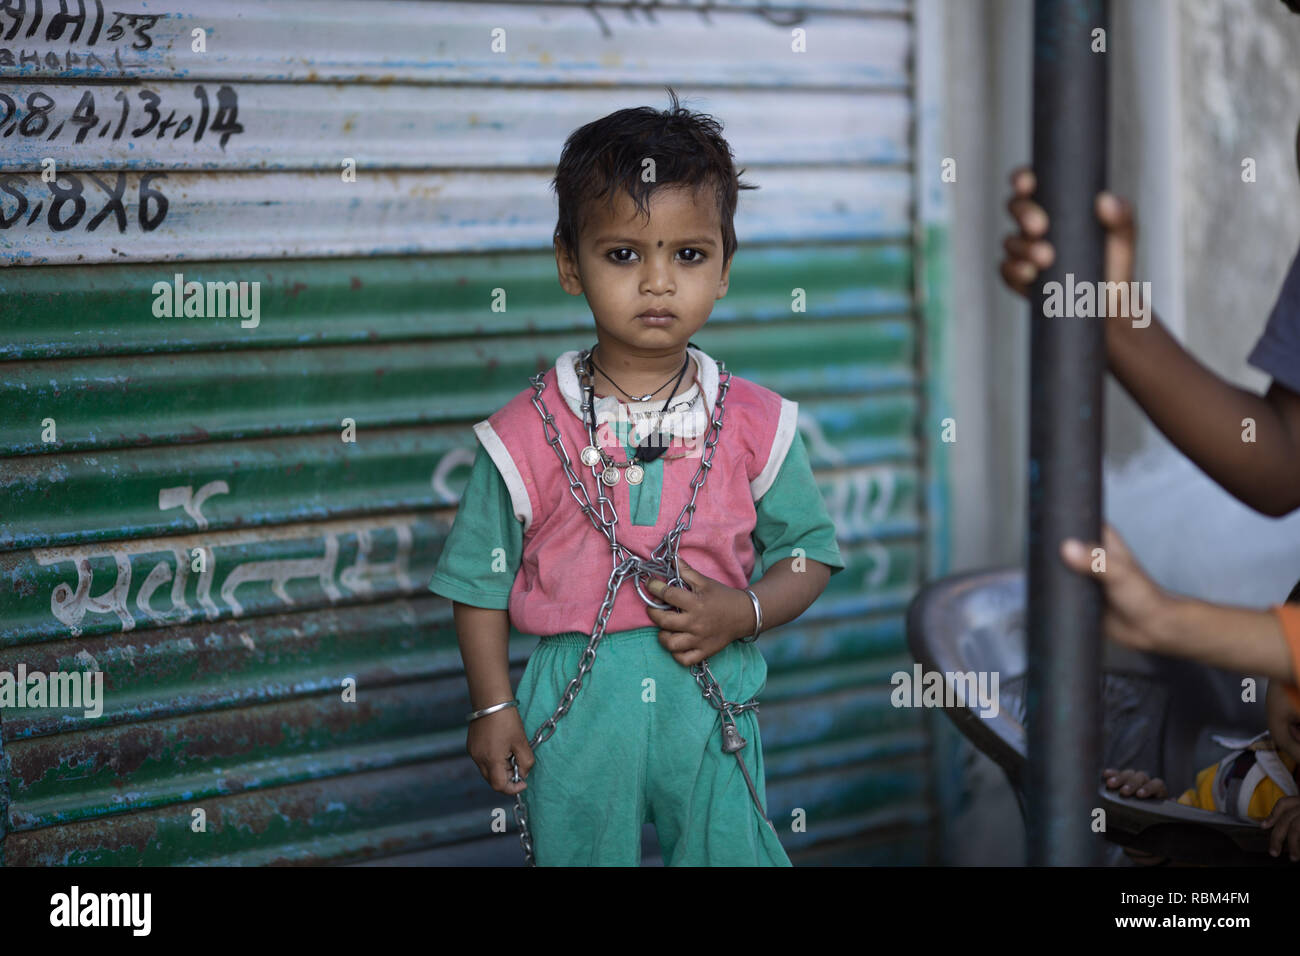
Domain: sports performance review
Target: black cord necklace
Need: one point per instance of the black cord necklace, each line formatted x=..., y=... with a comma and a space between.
x=648, y=395
x=649, y=448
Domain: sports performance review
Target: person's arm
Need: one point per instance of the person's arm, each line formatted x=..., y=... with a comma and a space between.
x=794, y=540
x=484, y=634
x=785, y=593
x=791, y=519
x=711, y=615
x=1233, y=638
x=475, y=571
x=1197, y=411
x=1201, y=414
x=1141, y=615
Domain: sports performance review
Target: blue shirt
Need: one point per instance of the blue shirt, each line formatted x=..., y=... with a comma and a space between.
x=1278, y=350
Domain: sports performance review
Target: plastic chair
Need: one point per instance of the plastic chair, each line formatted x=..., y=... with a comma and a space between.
x=1158, y=715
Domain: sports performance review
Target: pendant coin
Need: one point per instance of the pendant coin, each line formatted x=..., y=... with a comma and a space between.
x=610, y=476
x=590, y=457
x=635, y=473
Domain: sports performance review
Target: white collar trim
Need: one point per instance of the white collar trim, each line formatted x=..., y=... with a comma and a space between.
x=685, y=423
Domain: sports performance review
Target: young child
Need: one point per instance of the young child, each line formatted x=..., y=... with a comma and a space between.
x=645, y=233
x=1258, y=779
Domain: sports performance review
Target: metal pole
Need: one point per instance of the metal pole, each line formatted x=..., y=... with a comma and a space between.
x=1067, y=359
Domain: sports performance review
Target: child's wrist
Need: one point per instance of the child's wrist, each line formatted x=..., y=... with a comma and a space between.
x=745, y=615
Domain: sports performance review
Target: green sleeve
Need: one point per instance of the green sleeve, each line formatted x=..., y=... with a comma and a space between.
x=793, y=515
x=471, y=570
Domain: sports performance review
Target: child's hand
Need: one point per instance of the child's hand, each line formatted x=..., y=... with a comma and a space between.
x=1027, y=252
x=1135, y=783
x=1134, y=603
x=709, y=617
x=1284, y=821
x=491, y=741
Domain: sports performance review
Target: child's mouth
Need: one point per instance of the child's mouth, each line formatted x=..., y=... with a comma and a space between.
x=657, y=320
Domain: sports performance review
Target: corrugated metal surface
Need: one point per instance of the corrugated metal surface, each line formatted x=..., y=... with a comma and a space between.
x=400, y=41
x=186, y=436
x=405, y=126
x=269, y=215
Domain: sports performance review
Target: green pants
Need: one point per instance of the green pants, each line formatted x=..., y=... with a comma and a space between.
x=641, y=745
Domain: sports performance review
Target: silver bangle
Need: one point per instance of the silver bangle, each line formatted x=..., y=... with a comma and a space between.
x=758, y=618
x=490, y=710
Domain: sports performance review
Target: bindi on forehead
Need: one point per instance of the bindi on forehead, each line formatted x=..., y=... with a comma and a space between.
x=661, y=243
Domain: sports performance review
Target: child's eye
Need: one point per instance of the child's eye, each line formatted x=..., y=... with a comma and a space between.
x=689, y=255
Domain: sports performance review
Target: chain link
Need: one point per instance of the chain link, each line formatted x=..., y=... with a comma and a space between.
x=662, y=563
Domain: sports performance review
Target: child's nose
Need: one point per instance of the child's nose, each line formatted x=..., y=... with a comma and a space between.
x=657, y=277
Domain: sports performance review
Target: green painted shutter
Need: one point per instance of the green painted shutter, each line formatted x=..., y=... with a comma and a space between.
x=205, y=435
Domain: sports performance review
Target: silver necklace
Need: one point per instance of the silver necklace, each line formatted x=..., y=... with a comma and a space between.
x=648, y=449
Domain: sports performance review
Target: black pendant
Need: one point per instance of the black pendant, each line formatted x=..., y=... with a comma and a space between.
x=731, y=739
x=649, y=449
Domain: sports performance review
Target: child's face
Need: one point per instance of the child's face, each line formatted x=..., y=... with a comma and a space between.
x=627, y=266
x=1283, y=721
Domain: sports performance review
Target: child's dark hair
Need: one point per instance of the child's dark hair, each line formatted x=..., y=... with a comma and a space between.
x=607, y=156
x=1294, y=596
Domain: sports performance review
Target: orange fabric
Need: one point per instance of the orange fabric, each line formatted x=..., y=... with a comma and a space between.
x=1288, y=616
x=1201, y=796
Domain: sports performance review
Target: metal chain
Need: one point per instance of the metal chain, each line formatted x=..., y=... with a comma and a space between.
x=662, y=563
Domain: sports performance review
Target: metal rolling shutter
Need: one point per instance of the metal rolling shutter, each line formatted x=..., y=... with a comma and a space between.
x=184, y=433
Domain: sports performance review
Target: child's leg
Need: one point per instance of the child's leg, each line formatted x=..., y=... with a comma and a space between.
x=585, y=796
x=699, y=802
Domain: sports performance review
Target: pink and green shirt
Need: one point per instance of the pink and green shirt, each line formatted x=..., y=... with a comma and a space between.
x=521, y=543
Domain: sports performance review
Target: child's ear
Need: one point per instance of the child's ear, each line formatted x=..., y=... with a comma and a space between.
x=724, y=281
x=566, y=264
